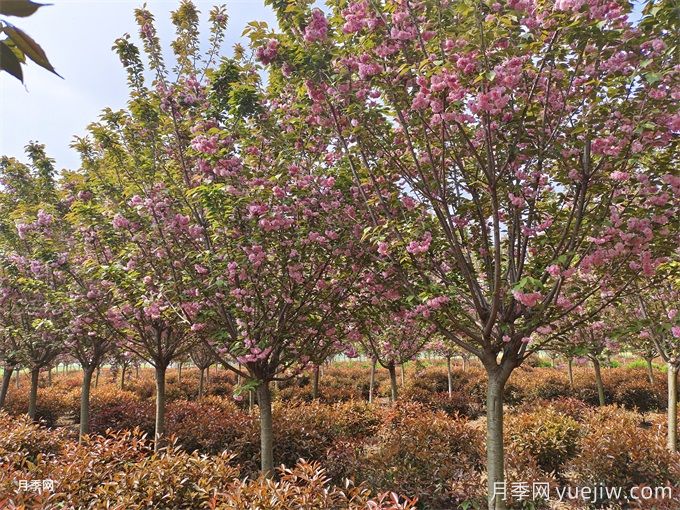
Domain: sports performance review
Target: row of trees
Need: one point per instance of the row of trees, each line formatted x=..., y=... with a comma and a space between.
x=497, y=177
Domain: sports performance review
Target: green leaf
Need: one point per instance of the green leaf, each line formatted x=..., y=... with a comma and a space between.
x=652, y=78
x=31, y=48
x=10, y=63
x=20, y=8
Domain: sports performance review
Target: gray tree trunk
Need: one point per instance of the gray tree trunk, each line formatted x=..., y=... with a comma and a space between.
x=448, y=375
x=495, y=455
x=123, y=369
x=266, y=430
x=672, y=407
x=6, y=379
x=201, y=383
x=570, y=370
x=371, y=382
x=160, y=407
x=315, y=382
x=85, y=403
x=33, y=396
x=598, y=381
x=16, y=377
x=650, y=370
x=393, y=382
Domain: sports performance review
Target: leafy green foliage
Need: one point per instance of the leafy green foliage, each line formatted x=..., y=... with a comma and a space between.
x=18, y=44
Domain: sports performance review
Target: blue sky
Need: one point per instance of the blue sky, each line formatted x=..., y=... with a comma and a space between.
x=77, y=36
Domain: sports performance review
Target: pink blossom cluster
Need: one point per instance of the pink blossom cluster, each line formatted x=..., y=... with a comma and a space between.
x=317, y=28
x=528, y=299
x=268, y=53
x=422, y=246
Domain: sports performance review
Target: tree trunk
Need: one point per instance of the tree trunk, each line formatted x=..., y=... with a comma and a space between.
x=315, y=382
x=160, y=407
x=179, y=375
x=123, y=369
x=137, y=371
x=6, y=377
x=672, y=407
x=371, y=382
x=495, y=455
x=250, y=401
x=49, y=376
x=393, y=382
x=16, y=377
x=85, y=402
x=33, y=397
x=650, y=370
x=570, y=370
x=266, y=430
x=448, y=374
x=201, y=382
x=403, y=376
x=598, y=381
x=464, y=364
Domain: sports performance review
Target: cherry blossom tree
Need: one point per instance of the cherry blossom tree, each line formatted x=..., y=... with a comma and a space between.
x=658, y=321
x=30, y=278
x=533, y=137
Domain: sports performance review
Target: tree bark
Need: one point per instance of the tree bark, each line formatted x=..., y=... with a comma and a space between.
x=16, y=377
x=371, y=382
x=49, y=376
x=672, y=407
x=650, y=370
x=123, y=369
x=6, y=379
x=179, y=374
x=448, y=375
x=85, y=403
x=160, y=407
x=266, y=430
x=315, y=382
x=33, y=397
x=495, y=455
x=570, y=371
x=464, y=364
x=598, y=381
x=393, y=381
x=201, y=383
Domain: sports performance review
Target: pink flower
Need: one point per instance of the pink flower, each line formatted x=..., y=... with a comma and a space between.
x=204, y=144
x=554, y=270
x=676, y=331
x=672, y=314
x=317, y=28
x=267, y=53
x=382, y=248
x=529, y=299
x=120, y=222
x=619, y=176
x=418, y=247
